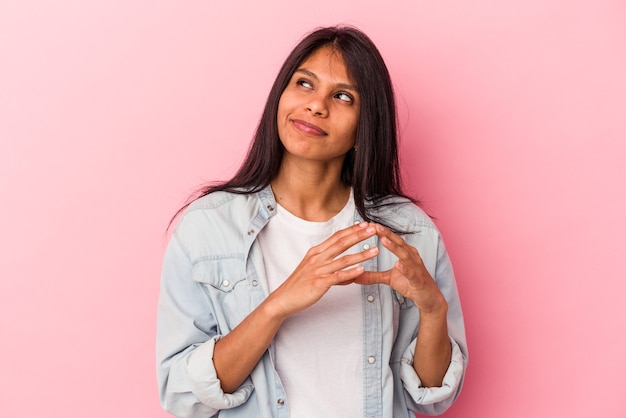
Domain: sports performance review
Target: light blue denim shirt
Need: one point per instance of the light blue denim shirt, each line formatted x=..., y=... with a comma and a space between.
x=213, y=277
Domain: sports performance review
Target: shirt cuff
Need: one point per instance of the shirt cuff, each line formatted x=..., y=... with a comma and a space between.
x=205, y=384
x=430, y=395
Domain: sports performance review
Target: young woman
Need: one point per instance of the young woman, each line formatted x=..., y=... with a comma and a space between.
x=308, y=285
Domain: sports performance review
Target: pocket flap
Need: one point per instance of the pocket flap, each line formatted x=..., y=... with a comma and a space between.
x=223, y=273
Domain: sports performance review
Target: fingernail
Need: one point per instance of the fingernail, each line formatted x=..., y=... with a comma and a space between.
x=373, y=250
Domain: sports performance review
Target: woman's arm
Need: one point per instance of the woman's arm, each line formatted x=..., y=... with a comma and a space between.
x=410, y=278
x=432, y=351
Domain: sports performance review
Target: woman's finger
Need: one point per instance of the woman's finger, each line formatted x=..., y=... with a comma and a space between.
x=349, y=260
x=394, y=243
x=374, y=277
x=343, y=239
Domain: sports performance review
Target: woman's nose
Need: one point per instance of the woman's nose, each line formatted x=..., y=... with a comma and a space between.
x=317, y=105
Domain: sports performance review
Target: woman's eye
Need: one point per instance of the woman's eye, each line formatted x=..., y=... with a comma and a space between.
x=344, y=97
x=304, y=83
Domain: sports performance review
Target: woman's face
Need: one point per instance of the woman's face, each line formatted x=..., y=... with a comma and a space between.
x=319, y=109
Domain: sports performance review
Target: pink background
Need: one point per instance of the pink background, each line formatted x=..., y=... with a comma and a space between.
x=513, y=121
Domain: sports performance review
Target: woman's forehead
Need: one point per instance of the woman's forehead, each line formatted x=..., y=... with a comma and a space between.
x=327, y=60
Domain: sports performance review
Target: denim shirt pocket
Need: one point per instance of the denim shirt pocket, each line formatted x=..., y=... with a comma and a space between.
x=222, y=274
x=224, y=280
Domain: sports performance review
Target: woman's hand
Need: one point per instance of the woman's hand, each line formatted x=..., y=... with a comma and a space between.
x=408, y=276
x=321, y=268
x=239, y=351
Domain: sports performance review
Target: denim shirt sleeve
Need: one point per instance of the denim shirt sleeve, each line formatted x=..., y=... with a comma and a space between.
x=436, y=400
x=186, y=335
x=432, y=400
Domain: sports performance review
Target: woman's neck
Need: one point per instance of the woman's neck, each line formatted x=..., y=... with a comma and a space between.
x=313, y=195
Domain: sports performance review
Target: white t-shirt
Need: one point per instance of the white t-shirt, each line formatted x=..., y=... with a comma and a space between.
x=319, y=353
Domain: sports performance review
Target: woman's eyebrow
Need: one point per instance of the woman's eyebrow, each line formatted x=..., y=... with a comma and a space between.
x=314, y=76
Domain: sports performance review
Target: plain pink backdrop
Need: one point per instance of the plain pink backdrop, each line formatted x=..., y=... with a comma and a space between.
x=513, y=122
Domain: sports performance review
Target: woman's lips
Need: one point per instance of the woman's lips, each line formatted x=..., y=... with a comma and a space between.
x=308, y=128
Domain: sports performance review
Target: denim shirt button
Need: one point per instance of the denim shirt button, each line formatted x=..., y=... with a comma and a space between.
x=371, y=359
x=281, y=402
x=225, y=283
x=366, y=246
x=270, y=207
x=370, y=298
x=251, y=231
x=254, y=283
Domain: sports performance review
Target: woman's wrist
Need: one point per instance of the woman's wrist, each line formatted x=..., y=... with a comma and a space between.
x=272, y=310
x=438, y=311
